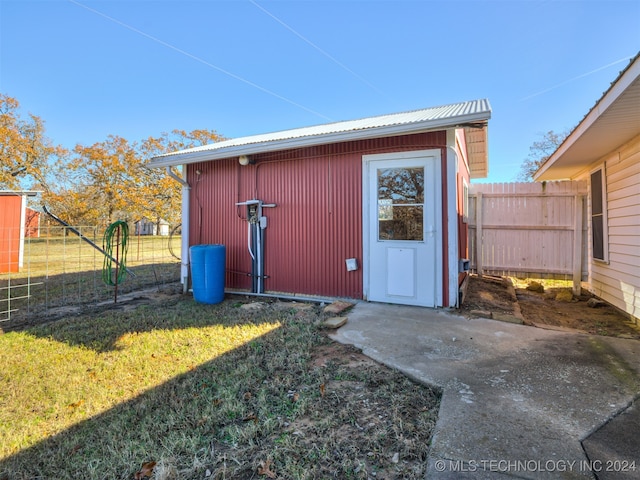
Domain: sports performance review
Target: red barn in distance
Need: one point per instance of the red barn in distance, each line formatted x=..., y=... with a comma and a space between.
x=16, y=222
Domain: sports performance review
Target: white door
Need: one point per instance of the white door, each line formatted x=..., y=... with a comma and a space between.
x=402, y=227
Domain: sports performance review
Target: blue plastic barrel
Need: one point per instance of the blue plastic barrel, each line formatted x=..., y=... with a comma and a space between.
x=207, y=272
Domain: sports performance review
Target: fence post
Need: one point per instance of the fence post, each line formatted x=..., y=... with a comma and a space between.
x=479, y=234
x=577, y=244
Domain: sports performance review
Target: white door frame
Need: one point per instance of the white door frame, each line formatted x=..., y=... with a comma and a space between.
x=369, y=210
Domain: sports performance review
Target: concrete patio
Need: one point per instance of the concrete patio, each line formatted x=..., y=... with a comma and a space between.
x=518, y=401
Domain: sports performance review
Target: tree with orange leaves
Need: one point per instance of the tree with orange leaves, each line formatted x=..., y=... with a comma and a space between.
x=111, y=177
x=27, y=156
x=95, y=184
x=162, y=193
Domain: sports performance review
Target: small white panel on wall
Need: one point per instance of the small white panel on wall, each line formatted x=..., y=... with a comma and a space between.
x=401, y=275
x=352, y=264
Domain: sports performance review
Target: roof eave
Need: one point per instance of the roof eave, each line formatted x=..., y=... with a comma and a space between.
x=313, y=140
x=585, y=127
x=477, y=152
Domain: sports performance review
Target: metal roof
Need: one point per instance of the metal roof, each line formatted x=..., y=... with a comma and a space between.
x=475, y=112
x=613, y=121
x=28, y=193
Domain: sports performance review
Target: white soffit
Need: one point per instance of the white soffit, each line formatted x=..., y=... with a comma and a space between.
x=478, y=151
x=612, y=122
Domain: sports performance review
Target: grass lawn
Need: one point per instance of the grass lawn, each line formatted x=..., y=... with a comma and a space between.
x=180, y=390
x=67, y=254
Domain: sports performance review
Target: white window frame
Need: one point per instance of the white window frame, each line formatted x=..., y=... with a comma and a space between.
x=605, y=229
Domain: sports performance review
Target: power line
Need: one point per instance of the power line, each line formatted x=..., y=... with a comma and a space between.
x=200, y=60
x=302, y=37
x=575, y=78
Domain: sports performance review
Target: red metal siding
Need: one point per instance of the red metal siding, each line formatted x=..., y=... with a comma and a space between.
x=214, y=218
x=10, y=210
x=317, y=223
x=32, y=223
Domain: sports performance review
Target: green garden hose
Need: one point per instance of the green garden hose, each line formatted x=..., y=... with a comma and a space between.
x=115, y=238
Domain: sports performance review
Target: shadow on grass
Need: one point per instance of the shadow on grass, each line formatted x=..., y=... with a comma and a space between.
x=175, y=422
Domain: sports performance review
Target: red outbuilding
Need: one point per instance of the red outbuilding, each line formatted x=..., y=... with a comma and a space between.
x=371, y=209
x=15, y=222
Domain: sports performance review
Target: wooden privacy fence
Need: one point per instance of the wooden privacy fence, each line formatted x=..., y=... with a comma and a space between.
x=529, y=229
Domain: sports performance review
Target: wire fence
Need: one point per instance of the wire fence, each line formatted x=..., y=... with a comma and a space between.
x=57, y=269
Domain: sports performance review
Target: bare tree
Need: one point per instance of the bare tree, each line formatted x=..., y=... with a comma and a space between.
x=539, y=153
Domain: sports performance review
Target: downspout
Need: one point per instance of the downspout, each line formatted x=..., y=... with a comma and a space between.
x=184, y=243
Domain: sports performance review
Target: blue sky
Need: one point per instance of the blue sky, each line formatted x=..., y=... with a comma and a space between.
x=241, y=67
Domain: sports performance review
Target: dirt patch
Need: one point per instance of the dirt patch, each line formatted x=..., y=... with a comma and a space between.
x=489, y=295
x=162, y=295
x=374, y=418
x=544, y=308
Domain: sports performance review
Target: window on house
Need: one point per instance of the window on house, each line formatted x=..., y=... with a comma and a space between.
x=465, y=201
x=599, y=215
